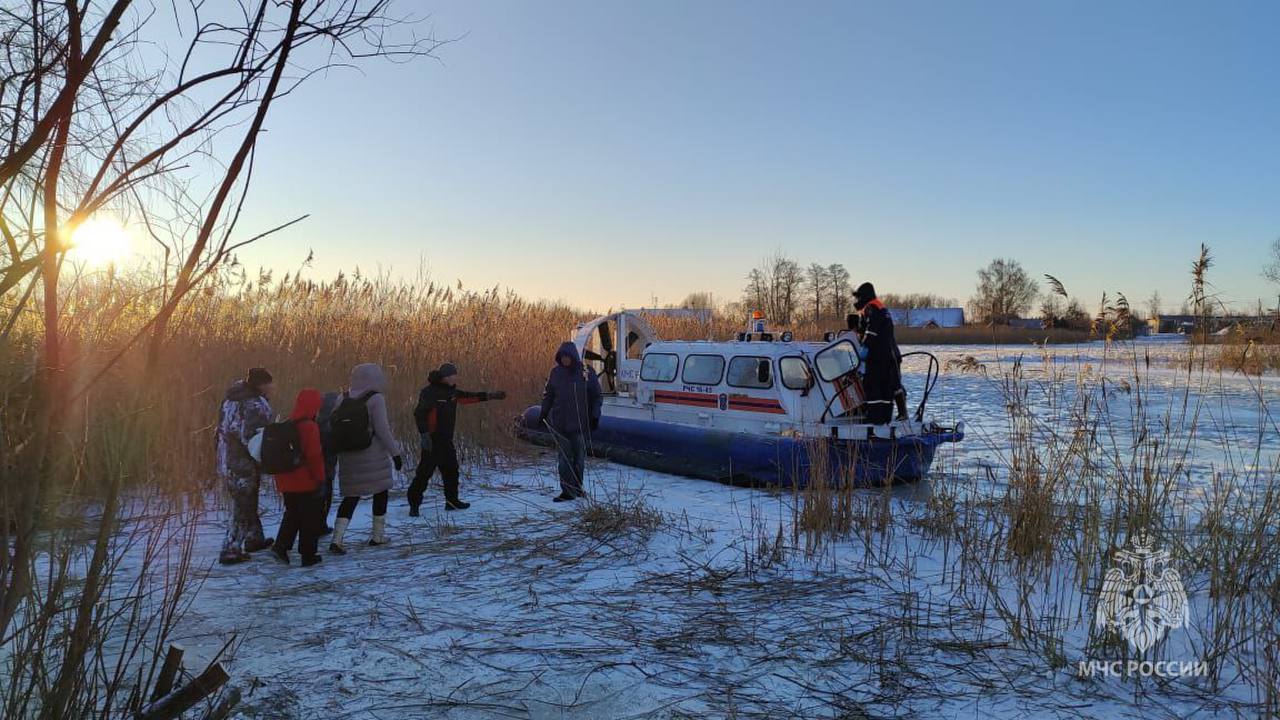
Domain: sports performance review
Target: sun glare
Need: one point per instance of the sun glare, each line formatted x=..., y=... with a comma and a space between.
x=101, y=241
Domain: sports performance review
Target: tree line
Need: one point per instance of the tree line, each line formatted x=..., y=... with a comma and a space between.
x=787, y=292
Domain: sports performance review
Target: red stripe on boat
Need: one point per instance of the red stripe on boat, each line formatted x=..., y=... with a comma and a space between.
x=684, y=398
x=748, y=403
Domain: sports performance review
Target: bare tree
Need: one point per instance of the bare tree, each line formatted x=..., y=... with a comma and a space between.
x=788, y=279
x=838, y=289
x=1005, y=291
x=756, y=295
x=96, y=114
x=914, y=301
x=699, y=300
x=1075, y=316
x=774, y=287
x=1271, y=270
x=1051, y=311
x=816, y=281
x=1154, y=304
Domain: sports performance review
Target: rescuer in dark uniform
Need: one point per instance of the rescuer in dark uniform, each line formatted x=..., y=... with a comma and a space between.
x=882, y=380
x=436, y=415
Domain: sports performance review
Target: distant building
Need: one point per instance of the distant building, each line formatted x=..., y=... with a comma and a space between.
x=927, y=317
x=1172, y=324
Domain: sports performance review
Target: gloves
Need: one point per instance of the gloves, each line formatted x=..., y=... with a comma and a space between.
x=496, y=395
x=862, y=352
x=398, y=462
x=595, y=423
x=424, y=443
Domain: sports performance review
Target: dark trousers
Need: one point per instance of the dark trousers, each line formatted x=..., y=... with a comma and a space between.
x=443, y=456
x=347, y=508
x=303, y=519
x=900, y=399
x=325, y=493
x=572, y=451
x=881, y=385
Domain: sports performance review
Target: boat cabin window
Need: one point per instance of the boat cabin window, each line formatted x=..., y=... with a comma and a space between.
x=836, y=360
x=750, y=372
x=703, y=369
x=659, y=367
x=795, y=373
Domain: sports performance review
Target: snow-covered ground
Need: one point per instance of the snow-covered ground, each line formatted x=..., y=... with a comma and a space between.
x=1231, y=418
x=523, y=608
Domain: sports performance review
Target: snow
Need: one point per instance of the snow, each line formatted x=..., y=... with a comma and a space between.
x=518, y=608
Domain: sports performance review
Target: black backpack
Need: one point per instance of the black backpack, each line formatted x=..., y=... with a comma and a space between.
x=349, y=426
x=281, y=448
x=324, y=419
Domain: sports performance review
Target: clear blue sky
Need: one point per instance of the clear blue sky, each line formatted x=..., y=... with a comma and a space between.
x=607, y=152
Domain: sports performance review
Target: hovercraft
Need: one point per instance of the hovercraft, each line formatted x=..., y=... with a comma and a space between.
x=761, y=410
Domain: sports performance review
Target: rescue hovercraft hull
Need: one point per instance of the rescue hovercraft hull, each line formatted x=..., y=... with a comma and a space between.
x=742, y=458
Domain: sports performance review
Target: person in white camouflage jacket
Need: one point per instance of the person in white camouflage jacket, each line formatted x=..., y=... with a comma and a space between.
x=245, y=411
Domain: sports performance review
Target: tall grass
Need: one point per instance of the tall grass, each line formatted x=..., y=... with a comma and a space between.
x=308, y=334
x=136, y=458
x=1097, y=454
x=1091, y=461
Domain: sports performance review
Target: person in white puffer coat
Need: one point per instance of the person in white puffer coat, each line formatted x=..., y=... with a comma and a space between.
x=371, y=471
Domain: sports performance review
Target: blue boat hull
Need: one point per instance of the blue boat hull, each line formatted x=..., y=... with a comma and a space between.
x=755, y=460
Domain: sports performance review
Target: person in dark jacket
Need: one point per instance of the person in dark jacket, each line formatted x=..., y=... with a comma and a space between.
x=245, y=411
x=302, y=506
x=328, y=404
x=436, y=415
x=882, y=380
x=858, y=323
x=571, y=408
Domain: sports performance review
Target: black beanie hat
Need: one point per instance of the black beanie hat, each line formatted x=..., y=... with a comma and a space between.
x=865, y=293
x=447, y=370
x=257, y=377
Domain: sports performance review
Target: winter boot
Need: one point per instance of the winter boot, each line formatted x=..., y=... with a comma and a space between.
x=564, y=497
x=456, y=505
x=414, y=511
x=232, y=557
x=379, y=534
x=280, y=554
x=339, y=529
x=253, y=546
x=310, y=560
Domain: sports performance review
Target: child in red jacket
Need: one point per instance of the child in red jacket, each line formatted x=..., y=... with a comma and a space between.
x=302, y=505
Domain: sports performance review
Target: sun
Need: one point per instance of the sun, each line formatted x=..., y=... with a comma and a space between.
x=101, y=241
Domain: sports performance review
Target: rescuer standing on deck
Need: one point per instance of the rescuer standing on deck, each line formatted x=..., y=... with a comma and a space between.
x=882, y=382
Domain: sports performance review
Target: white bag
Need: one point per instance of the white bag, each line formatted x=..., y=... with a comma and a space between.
x=255, y=446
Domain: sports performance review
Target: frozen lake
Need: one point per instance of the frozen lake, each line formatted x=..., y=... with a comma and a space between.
x=1225, y=419
x=521, y=608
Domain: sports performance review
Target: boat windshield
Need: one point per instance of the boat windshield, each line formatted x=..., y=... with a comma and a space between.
x=836, y=360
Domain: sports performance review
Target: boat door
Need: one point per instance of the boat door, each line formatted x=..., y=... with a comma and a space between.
x=800, y=393
x=836, y=367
